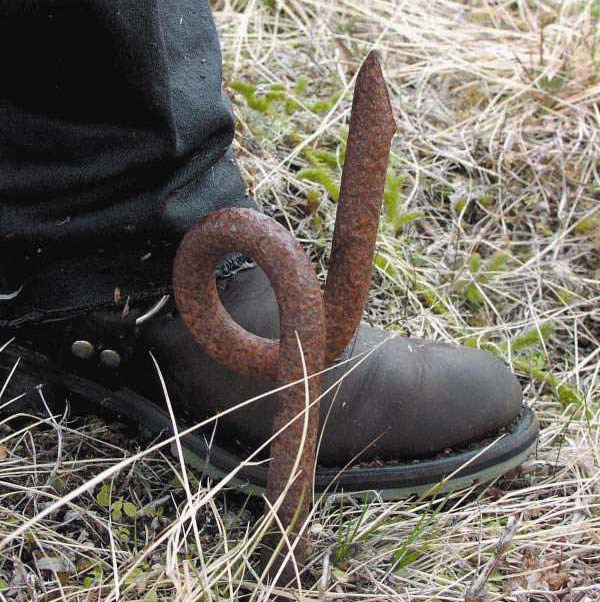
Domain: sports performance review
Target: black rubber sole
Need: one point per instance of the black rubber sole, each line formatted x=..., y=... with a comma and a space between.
x=482, y=462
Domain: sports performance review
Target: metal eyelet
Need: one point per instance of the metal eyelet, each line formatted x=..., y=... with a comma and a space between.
x=110, y=358
x=83, y=350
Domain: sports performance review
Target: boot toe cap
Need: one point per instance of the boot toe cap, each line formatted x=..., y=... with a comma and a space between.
x=419, y=399
x=473, y=395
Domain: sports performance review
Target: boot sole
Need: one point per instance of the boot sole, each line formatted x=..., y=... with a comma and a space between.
x=480, y=463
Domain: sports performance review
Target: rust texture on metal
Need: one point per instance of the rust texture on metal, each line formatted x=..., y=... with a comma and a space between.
x=301, y=314
x=196, y=292
x=324, y=323
x=372, y=128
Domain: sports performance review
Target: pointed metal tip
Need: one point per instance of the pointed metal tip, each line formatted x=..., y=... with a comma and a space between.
x=373, y=56
x=371, y=88
x=371, y=63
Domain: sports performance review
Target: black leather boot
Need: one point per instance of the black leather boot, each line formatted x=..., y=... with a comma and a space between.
x=401, y=415
x=96, y=194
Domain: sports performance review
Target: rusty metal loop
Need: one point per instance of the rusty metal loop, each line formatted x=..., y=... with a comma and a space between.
x=278, y=254
x=301, y=317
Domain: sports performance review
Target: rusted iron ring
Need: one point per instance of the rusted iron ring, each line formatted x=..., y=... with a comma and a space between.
x=285, y=264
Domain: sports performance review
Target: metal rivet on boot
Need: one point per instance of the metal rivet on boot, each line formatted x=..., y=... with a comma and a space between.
x=82, y=349
x=110, y=358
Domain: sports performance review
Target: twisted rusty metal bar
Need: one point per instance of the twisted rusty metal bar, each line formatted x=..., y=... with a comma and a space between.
x=324, y=324
x=301, y=314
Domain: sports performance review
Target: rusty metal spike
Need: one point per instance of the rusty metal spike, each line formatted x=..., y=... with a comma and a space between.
x=302, y=308
x=372, y=128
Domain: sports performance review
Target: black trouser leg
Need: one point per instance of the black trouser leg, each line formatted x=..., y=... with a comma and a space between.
x=114, y=140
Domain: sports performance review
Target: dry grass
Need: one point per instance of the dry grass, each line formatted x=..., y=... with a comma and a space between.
x=491, y=237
